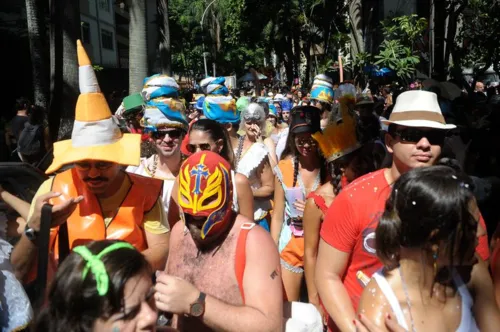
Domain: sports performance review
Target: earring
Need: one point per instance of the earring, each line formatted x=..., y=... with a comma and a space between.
x=435, y=255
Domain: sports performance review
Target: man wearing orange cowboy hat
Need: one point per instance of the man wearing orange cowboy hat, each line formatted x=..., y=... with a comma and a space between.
x=95, y=199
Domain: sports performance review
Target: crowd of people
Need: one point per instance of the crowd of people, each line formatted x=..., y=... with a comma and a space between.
x=330, y=210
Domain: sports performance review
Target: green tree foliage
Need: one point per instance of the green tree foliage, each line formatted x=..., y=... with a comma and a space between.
x=478, y=38
x=399, y=51
x=243, y=34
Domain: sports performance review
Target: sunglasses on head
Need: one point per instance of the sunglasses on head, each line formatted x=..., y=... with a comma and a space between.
x=414, y=135
x=192, y=148
x=100, y=165
x=173, y=134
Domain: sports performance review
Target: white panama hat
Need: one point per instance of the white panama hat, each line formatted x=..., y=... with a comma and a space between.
x=418, y=109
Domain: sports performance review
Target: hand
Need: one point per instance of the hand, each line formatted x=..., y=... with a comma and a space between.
x=365, y=325
x=60, y=212
x=300, y=205
x=174, y=295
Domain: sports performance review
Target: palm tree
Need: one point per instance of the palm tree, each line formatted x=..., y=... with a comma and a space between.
x=138, y=51
x=165, y=44
x=36, y=33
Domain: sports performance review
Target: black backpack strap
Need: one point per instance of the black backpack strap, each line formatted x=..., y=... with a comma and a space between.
x=63, y=242
x=43, y=254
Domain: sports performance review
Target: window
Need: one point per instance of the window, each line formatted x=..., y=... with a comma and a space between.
x=85, y=32
x=107, y=39
x=104, y=5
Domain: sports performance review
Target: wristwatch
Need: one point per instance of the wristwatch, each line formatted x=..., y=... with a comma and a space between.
x=30, y=233
x=197, y=309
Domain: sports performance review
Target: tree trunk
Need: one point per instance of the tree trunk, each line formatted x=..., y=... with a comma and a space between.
x=56, y=81
x=35, y=14
x=71, y=32
x=355, y=22
x=138, y=54
x=165, y=44
x=64, y=90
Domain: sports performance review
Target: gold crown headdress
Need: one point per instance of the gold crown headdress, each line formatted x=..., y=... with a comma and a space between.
x=339, y=137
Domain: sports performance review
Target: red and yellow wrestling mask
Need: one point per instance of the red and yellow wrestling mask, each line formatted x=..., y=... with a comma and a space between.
x=205, y=192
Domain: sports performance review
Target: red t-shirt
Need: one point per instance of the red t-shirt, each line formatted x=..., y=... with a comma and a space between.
x=350, y=224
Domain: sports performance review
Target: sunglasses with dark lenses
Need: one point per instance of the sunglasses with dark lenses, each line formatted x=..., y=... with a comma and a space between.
x=100, y=165
x=414, y=135
x=173, y=134
x=192, y=148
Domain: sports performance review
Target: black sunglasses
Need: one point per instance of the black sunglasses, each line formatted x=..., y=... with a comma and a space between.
x=173, y=134
x=192, y=148
x=414, y=135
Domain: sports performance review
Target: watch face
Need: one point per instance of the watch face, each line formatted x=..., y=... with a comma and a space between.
x=30, y=234
x=197, y=309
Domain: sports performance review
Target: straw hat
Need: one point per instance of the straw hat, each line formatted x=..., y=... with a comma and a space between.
x=96, y=135
x=418, y=109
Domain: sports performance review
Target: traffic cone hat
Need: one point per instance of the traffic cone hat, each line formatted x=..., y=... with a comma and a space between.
x=96, y=135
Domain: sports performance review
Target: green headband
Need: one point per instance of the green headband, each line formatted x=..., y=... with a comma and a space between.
x=97, y=267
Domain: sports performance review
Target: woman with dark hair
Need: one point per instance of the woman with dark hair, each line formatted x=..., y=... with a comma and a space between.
x=347, y=160
x=426, y=239
x=209, y=135
x=103, y=286
x=299, y=173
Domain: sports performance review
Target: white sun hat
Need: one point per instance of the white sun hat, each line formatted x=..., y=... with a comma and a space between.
x=418, y=109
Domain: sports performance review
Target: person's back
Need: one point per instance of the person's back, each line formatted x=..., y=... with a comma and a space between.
x=429, y=257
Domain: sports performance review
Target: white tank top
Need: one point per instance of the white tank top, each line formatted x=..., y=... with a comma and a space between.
x=467, y=323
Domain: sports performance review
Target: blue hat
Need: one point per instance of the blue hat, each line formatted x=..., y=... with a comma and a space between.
x=163, y=106
x=221, y=109
x=322, y=89
x=214, y=86
x=286, y=106
x=273, y=111
x=199, y=103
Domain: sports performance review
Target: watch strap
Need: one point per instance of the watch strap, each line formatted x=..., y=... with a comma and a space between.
x=202, y=297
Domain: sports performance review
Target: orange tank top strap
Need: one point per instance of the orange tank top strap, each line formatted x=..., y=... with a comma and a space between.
x=240, y=258
x=319, y=201
x=284, y=171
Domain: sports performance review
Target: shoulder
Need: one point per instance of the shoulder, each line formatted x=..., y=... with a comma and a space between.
x=325, y=190
x=366, y=188
x=261, y=245
x=241, y=180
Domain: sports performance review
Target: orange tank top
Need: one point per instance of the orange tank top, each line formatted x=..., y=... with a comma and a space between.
x=87, y=224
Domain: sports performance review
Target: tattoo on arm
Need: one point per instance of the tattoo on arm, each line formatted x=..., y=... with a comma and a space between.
x=274, y=274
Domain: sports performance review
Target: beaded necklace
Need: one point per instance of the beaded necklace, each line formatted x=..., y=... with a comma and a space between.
x=408, y=303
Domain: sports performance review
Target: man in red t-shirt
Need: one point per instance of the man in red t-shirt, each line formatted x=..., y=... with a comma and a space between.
x=347, y=256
